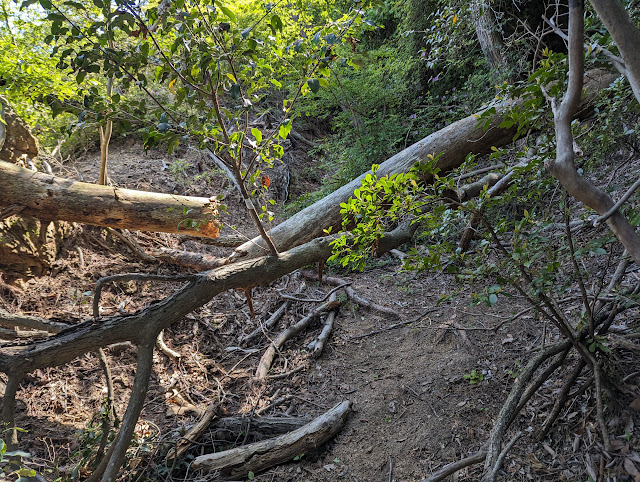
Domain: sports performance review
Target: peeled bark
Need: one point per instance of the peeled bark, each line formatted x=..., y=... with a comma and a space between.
x=48, y=198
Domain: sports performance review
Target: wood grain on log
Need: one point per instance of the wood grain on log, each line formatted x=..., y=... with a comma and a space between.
x=49, y=197
x=255, y=457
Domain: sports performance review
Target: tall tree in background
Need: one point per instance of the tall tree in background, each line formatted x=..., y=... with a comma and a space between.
x=489, y=38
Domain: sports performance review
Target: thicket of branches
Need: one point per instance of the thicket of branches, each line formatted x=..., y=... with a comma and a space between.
x=199, y=72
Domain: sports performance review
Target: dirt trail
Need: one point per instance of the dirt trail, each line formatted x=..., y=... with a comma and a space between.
x=414, y=409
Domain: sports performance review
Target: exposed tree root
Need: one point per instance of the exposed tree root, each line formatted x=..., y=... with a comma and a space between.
x=499, y=429
x=561, y=399
x=353, y=296
x=491, y=477
x=537, y=383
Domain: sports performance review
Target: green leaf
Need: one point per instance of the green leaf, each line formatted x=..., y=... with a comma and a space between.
x=228, y=13
x=285, y=129
x=234, y=91
x=276, y=23
x=314, y=85
x=257, y=134
x=493, y=299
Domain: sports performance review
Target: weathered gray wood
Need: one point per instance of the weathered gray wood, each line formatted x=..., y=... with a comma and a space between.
x=49, y=198
x=256, y=426
x=255, y=457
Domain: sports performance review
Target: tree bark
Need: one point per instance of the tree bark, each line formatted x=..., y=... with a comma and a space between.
x=489, y=39
x=453, y=143
x=47, y=197
x=16, y=139
x=626, y=36
x=563, y=166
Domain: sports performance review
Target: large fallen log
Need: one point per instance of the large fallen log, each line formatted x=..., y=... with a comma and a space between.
x=50, y=198
x=255, y=457
x=452, y=143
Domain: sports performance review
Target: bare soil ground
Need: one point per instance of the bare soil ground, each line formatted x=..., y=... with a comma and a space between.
x=414, y=409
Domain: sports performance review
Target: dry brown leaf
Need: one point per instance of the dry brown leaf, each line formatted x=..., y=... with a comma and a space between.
x=630, y=467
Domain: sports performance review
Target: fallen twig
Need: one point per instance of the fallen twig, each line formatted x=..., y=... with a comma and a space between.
x=275, y=403
x=293, y=330
x=395, y=325
x=353, y=296
x=194, y=433
x=34, y=322
x=134, y=246
x=162, y=346
x=311, y=300
x=245, y=340
x=317, y=345
x=453, y=467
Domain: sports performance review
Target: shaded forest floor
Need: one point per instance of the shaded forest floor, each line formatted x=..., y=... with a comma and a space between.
x=415, y=408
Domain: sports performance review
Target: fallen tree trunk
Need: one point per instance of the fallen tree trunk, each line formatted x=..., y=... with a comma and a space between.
x=49, y=198
x=238, y=462
x=452, y=143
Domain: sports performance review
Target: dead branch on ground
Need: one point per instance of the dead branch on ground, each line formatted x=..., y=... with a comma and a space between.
x=194, y=433
x=317, y=345
x=189, y=259
x=293, y=330
x=353, y=296
x=258, y=456
x=49, y=197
